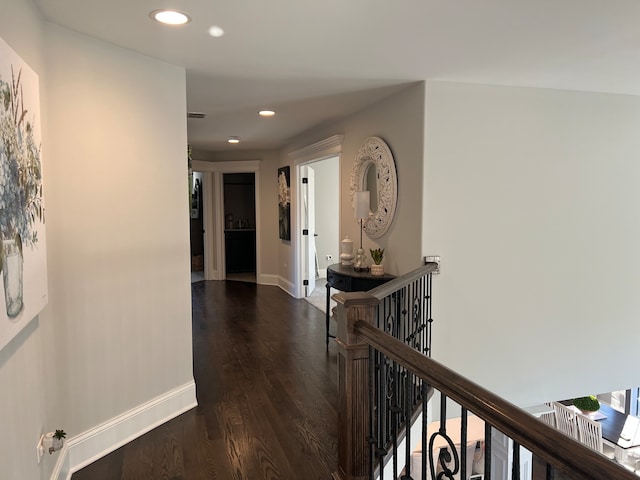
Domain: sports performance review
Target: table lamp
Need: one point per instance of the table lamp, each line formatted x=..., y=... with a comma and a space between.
x=361, y=207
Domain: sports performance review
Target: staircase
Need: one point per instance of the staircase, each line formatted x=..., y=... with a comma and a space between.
x=387, y=381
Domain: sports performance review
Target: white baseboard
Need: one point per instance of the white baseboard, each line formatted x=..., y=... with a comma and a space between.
x=81, y=450
x=287, y=286
x=268, y=280
x=322, y=273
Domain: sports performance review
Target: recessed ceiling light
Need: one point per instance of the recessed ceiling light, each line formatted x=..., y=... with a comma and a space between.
x=233, y=140
x=216, y=31
x=170, y=17
x=266, y=113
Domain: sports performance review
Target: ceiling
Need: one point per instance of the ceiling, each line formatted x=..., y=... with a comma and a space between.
x=316, y=61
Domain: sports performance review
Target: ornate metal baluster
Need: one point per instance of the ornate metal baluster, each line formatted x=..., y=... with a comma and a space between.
x=447, y=455
x=382, y=410
x=427, y=341
x=550, y=472
x=395, y=393
x=381, y=451
x=463, y=443
x=515, y=466
x=408, y=408
x=425, y=411
x=394, y=413
x=487, y=450
x=373, y=388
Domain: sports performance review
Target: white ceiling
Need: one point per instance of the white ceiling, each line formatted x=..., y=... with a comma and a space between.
x=315, y=61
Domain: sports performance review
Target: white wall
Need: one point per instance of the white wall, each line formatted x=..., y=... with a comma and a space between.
x=327, y=187
x=117, y=330
x=23, y=362
x=532, y=201
x=118, y=224
x=399, y=120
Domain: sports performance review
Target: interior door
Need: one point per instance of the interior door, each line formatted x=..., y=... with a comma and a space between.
x=309, y=225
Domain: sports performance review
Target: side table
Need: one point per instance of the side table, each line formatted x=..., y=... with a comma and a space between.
x=346, y=279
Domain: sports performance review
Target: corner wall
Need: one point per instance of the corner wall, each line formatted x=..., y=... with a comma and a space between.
x=116, y=334
x=24, y=407
x=118, y=225
x=532, y=202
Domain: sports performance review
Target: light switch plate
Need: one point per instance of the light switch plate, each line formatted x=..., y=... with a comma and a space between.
x=40, y=449
x=434, y=259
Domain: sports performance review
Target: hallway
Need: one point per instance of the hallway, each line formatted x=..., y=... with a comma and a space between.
x=266, y=391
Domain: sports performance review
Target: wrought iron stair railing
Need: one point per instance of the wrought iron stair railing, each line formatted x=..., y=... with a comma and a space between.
x=386, y=380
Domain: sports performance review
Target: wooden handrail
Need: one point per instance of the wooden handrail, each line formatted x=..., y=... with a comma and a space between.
x=565, y=454
x=396, y=284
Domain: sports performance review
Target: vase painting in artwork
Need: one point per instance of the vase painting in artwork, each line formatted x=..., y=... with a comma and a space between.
x=12, y=275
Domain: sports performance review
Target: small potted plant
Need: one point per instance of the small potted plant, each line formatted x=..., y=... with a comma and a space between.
x=587, y=405
x=54, y=440
x=58, y=439
x=377, y=255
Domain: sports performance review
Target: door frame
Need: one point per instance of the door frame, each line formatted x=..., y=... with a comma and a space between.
x=308, y=249
x=213, y=207
x=327, y=148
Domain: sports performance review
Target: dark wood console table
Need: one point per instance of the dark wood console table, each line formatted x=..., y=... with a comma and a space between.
x=346, y=279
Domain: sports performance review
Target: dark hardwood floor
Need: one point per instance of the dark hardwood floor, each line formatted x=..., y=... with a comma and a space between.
x=266, y=391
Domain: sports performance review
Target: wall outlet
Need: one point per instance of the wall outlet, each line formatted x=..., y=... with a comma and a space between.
x=329, y=257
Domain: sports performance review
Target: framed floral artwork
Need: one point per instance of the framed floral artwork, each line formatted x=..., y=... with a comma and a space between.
x=284, y=203
x=22, y=234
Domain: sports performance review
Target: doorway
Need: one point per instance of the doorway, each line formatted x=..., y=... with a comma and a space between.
x=240, y=226
x=197, y=228
x=320, y=217
x=213, y=213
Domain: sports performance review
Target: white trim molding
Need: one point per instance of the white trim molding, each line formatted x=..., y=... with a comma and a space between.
x=226, y=167
x=287, y=286
x=87, y=447
x=329, y=147
x=267, y=279
x=213, y=192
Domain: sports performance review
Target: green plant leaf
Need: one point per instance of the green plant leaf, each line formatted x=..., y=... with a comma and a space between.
x=377, y=255
x=588, y=404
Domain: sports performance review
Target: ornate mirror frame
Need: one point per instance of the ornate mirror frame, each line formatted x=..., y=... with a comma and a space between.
x=375, y=153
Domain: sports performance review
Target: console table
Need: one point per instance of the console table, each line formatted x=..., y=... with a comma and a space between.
x=346, y=279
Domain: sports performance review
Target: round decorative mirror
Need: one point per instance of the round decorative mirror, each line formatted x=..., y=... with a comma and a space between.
x=375, y=170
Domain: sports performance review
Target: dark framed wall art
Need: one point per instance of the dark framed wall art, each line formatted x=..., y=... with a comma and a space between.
x=284, y=203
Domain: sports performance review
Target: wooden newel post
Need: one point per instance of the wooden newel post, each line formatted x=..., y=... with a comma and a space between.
x=353, y=386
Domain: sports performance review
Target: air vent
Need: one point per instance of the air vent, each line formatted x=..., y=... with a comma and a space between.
x=196, y=115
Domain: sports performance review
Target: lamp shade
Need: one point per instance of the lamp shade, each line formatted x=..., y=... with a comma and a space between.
x=362, y=204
